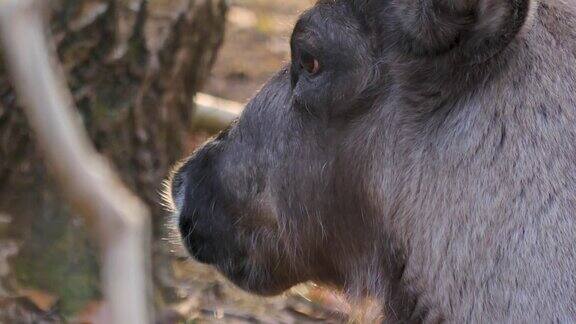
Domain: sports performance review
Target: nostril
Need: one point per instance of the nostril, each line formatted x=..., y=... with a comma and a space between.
x=199, y=248
x=194, y=244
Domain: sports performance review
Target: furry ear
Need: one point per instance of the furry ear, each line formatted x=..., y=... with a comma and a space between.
x=431, y=27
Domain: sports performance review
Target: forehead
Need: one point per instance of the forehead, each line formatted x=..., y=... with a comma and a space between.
x=329, y=13
x=330, y=20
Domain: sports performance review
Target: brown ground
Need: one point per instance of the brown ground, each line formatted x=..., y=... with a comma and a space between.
x=256, y=46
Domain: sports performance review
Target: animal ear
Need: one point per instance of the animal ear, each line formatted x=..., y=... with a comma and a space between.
x=429, y=27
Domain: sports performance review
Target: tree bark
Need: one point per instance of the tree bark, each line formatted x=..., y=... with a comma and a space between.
x=134, y=67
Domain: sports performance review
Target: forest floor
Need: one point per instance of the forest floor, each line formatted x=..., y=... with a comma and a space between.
x=255, y=48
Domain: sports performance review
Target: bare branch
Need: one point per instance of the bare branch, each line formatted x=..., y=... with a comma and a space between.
x=120, y=219
x=214, y=114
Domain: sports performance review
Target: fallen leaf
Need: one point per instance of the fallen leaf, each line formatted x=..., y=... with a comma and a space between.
x=41, y=299
x=95, y=312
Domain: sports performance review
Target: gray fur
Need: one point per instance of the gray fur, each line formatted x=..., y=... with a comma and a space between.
x=431, y=164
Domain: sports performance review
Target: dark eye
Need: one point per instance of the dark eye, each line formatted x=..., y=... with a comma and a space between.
x=309, y=63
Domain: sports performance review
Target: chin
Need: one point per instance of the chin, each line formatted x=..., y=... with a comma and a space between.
x=256, y=282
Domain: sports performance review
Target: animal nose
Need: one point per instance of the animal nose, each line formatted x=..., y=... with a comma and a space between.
x=192, y=171
x=198, y=245
x=177, y=189
x=201, y=219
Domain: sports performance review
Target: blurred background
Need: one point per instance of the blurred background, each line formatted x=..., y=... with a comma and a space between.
x=134, y=68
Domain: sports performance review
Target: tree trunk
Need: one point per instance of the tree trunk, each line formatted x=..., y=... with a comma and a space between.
x=134, y=67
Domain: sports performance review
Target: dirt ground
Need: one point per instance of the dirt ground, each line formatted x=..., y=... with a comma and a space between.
x=256, y=46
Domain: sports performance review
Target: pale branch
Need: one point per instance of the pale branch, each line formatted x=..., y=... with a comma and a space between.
x=120, y=220
x=214, y=114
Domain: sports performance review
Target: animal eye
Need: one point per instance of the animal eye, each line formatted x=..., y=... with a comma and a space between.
x=309, y=63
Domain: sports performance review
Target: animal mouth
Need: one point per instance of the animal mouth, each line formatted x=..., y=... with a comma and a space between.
x=200, y=250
